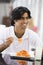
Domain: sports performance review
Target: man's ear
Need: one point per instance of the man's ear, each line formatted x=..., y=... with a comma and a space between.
x=14, y=21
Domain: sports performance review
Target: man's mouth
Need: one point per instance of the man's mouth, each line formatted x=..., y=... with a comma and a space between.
x=25, y=24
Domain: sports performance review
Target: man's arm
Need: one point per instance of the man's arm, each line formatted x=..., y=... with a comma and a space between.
x=6, y=44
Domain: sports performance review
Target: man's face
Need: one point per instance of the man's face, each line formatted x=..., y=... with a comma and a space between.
x=22, y=23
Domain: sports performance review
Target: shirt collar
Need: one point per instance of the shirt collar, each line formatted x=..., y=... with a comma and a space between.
x=24, y=36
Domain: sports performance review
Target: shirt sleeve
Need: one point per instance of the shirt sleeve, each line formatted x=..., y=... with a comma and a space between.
x=2, y=33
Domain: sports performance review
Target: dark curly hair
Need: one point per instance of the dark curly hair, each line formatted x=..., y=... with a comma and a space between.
x=17, y=13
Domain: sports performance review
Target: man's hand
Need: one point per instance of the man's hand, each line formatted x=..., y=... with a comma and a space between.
x=6, y=44
x=9, y=41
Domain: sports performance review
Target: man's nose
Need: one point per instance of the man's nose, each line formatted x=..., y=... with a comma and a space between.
x=25, y=20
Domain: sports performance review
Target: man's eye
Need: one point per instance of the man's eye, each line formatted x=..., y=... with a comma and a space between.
x=27, y=17
x=22, y=18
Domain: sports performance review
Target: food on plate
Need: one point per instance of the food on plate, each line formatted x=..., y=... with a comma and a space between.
x=22, y=53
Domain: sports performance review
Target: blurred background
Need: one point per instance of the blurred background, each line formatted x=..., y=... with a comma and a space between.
x=36, y=8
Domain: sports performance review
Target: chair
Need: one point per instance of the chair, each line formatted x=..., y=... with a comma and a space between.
x=42, y=59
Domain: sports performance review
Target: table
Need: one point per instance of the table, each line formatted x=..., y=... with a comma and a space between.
x=23, y=58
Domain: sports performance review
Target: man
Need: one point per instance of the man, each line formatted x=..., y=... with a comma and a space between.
x=18, y=37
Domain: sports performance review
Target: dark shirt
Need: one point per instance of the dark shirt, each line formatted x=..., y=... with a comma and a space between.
x=1, y=60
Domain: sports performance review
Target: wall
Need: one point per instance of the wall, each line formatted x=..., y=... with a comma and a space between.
x=3, y=10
